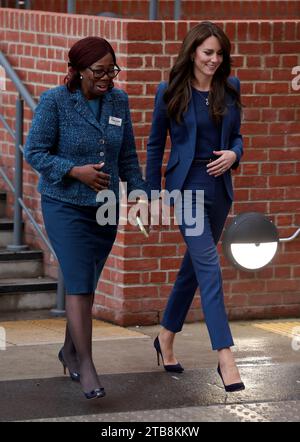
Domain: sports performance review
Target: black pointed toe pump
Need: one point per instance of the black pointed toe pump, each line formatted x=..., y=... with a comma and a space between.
x=73, y=375
x=176, y=368
x=239, y=386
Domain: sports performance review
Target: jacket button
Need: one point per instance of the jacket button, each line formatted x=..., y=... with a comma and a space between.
x=101, y=141
x=101, y=154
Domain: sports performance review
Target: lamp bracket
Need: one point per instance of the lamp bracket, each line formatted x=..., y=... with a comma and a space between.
x=290, y=238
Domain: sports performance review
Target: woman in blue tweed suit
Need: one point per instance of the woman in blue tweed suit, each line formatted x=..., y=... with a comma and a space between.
x=81, y=141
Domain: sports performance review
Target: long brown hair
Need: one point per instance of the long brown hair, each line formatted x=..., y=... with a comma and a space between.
x=179, y=92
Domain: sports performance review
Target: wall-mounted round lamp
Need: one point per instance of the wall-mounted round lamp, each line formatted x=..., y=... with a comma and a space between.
x=250, y=242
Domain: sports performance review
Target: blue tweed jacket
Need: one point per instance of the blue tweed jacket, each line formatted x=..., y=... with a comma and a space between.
x=65, y=133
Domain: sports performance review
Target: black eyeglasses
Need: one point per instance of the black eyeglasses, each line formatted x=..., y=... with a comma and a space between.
x=99, y=73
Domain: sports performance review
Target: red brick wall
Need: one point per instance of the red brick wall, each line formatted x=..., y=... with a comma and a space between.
x=190, y=9
x=140, y=273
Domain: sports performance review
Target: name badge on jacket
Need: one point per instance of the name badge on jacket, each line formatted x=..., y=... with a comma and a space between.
x=115, y=121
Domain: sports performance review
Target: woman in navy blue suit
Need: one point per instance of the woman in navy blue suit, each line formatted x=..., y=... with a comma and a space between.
x=81, y=141
x=200, y=107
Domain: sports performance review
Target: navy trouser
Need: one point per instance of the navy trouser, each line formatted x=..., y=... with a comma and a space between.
x=200, y=265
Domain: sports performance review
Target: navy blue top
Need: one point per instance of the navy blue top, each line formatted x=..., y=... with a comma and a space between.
x=208, y=133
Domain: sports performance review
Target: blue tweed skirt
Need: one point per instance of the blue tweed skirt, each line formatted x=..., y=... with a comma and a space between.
x=80, y=243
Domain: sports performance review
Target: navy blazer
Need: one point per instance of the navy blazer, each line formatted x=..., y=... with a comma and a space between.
x=183, y=142
x=65, y=133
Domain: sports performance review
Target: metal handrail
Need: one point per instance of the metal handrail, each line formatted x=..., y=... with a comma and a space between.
x=7, y=127
x=154, y=6
x=7, y=180
x=153, y=9
x=17, y=82
x=71, y=6
x=17, y=188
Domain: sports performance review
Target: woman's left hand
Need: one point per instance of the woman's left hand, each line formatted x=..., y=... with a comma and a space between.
x=222, y=164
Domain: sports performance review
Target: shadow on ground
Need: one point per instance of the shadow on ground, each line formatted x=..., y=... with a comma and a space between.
x=53, y=397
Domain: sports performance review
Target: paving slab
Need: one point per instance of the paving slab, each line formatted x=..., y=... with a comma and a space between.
x=49, y=331
x=287, y=411
x=139, y=390
x=135, y=392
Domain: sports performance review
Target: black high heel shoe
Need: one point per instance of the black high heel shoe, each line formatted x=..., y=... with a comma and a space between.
x=176, y=368
x=231, y=387
x=73, y=375
x=95, y=394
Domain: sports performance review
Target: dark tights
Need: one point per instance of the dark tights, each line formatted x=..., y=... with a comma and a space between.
x=78, y=340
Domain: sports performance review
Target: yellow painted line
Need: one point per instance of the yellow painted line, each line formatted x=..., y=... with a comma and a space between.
x=52, y=331
x=290, y=329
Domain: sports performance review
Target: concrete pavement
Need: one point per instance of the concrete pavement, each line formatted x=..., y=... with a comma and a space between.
x=137, y=389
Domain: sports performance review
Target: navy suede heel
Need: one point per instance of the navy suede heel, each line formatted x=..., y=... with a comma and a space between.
x=73, y=375
x=232, y=387
x=177, y=368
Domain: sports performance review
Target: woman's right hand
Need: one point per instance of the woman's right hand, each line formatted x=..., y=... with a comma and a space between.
x=91, y=175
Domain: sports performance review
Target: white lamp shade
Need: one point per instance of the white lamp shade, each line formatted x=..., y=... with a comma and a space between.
x=253, y=256
x=250, y=242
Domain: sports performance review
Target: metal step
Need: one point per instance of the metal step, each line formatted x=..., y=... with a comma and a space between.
x=22, y=286
x=21, y=264
x=27, y=293
x=13, y=285
x=2, y=203
x=6, y=231
x=6, y=224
